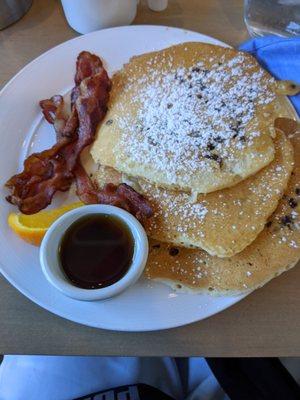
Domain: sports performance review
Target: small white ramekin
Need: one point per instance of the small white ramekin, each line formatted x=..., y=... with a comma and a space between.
x=49, y=253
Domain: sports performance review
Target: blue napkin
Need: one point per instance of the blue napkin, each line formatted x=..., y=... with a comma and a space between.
x=279, y=56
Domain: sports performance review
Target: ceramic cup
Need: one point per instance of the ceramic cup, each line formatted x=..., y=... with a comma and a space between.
x=90, y=15
x=50, y=262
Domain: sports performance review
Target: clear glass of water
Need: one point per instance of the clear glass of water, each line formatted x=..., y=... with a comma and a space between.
x=272, y=17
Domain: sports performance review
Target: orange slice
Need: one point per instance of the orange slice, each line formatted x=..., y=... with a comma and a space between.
x=32, y=228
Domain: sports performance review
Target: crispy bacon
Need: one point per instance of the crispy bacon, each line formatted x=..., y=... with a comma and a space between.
x=122, y=195
x=87, y=65
x=54, y=169
x=51, y=108
x=56, y=112
x=51, y=170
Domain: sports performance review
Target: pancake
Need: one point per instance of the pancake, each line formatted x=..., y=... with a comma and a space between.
x=275, y=250
x=193, y=117
x=223, y=223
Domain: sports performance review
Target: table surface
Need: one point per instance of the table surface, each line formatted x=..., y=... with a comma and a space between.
x=266, y=323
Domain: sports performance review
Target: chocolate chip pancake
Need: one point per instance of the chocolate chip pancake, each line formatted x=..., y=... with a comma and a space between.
x=224, y=222
x=193, y=117
x=275, y=250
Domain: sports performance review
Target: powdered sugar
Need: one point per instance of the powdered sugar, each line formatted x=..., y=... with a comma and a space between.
x=189, y=119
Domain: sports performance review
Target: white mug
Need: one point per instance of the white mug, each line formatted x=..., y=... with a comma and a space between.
x=90, y=15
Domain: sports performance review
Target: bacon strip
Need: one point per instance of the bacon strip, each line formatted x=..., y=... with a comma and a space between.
x=54, y=169
x=122, y=195
x=87, y=65
x=51, y=170
x=51, y=108
x=57, y=113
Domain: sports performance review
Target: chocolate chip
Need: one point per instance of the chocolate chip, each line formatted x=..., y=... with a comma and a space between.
x=152, y=142
x=156, y=246
x=189, y=76
x=286, y=220
x=249, y=263
x=293, y=203
x=219, y=139
x=173, y=251
x=297, y=191
x=242, y=138
x=196, y=69
x=194, y=134
x=199, y=95
x=169, y=105
x=211, y=156
x=211, y=146
x=214, y=157
x=109, y=122
x=268, y=224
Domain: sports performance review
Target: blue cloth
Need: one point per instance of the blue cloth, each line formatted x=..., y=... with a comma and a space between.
x=279, y=56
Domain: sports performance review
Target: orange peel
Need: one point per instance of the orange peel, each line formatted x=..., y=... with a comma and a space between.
x=32, y=228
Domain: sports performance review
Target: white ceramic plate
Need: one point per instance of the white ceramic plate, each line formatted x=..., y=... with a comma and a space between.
x=146, y=306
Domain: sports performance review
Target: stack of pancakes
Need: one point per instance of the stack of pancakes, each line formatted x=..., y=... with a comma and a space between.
x=195, y=129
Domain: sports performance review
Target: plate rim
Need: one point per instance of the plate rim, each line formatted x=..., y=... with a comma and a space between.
x=75, y=320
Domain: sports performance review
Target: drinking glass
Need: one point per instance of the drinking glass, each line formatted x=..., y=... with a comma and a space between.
x=277, y=17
